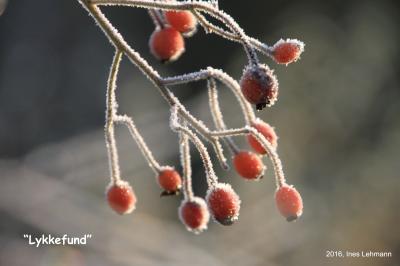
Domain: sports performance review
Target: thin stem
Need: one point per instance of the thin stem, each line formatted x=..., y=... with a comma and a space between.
x=219, y=152
x=156, y=18
x=211, y=28
x=186, y=166
x=212, y=179
x=128, y=122
x=111, y=144
x=217, y=114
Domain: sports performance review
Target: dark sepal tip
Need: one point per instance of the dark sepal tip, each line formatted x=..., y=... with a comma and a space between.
x=261, y=106
x=292, y=218
x=170, y=193
x=227, y=221
x=164, y=61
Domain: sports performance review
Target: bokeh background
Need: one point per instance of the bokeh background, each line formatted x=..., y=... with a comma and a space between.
x=337, y=118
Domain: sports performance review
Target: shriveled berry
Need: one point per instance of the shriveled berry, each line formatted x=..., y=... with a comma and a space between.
x=286, y=52
x=183, y=21
x=289, y=202
x=167, y=44
x=248, y=165
x=169, y=180
x=267, y=131
x=259, y=86
x=120, y=197
x=223, y=203
x=194, y=214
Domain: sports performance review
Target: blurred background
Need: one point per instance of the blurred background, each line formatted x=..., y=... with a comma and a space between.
x=337, y=119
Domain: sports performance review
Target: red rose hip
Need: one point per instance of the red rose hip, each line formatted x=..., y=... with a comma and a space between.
x=169, y=180
x=120, y=197
x=167, y=44
x=183, y=21
x=194, y=214
x=267, y=131
x=259, y=86
x=248, y=165
x=286, y=52
x=289, y=202
x=223, y=203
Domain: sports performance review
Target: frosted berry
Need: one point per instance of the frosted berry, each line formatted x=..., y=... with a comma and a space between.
x=169, y=180
x=120, y=197
x=167, y=44
x=248, y=165
x=223, y=203
x=183, y=21
x=194, y=214
x=286, y=52
x=259, y=86
x=267, y=131
x=289, y=202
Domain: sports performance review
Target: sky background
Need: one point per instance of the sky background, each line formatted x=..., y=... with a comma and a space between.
x=337, y=119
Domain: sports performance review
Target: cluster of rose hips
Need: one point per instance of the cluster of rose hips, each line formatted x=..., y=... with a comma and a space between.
x=259, y=87
x=221, y=200
x=167, y=43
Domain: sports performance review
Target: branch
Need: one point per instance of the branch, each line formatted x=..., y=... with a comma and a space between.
x=118, y=41
x=178, y=110
x=206, y=7
x=220, y=75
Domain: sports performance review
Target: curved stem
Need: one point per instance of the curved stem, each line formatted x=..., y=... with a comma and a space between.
x=112, y=150
x=156, y=18
x=184, y=149
x=148, y=155
x=217, y=114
